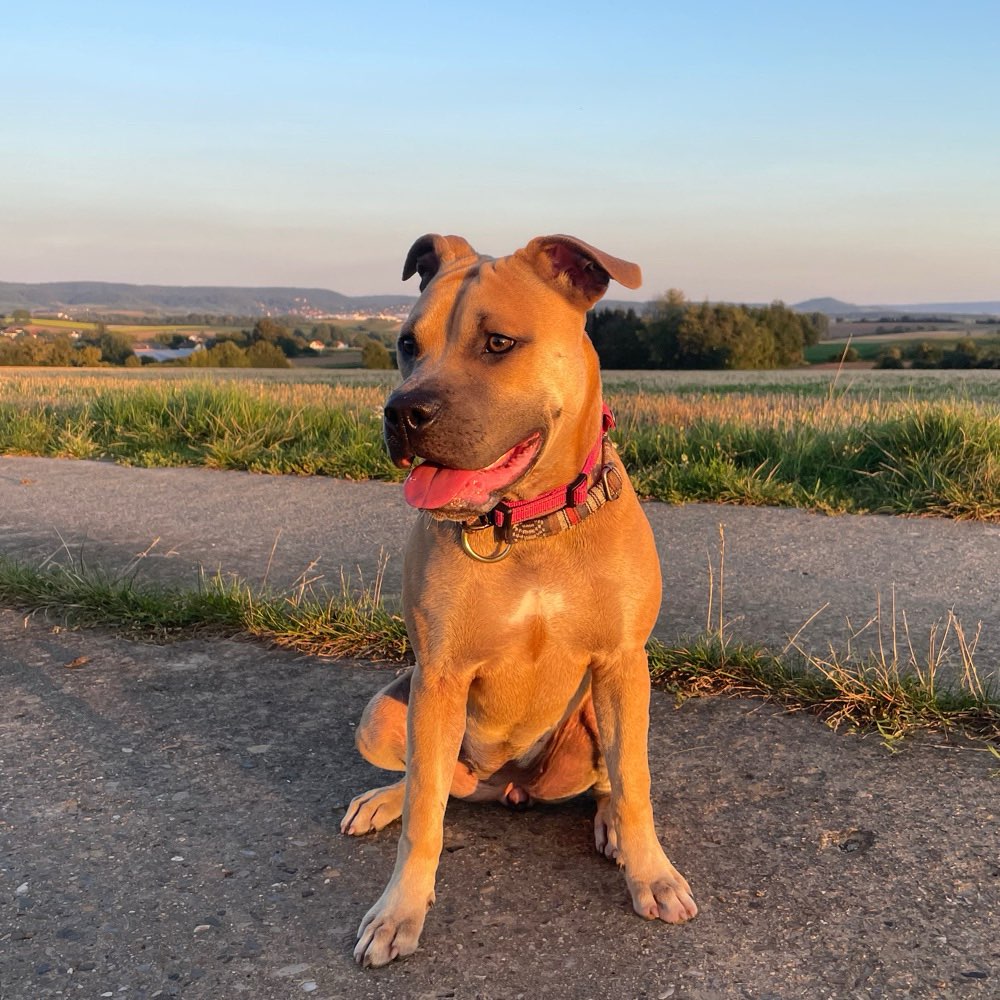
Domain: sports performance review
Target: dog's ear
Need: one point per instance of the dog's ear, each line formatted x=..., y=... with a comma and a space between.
x=431, y=253
x=581, y=272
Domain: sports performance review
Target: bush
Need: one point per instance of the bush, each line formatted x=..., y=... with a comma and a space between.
x=266, y=355
x=87, y=356
x=964, y=354
x=226, y=355
x=375, y=355
x=850, y=354
x=890, y=358
x=925, y=355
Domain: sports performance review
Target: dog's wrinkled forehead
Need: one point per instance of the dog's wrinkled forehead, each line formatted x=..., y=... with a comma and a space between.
x=538, y=295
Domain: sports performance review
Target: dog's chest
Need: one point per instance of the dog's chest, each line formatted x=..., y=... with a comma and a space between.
x=536, y=606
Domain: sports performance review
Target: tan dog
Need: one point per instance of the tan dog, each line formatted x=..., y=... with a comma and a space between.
x=531, y=681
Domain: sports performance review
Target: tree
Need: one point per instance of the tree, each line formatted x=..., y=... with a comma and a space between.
x=269, y=329
x=963, y=355
x=226, y=355
x=374, y=354
x=788, y=330
x=265, y=355
x=21, y=316
x=891, y=357
x=662, y=327
x=198, y=359
x=618, y=338
x=816, y=327
x=62, y=351
x=293, y=345
x=925, y=355
x=116, y=348
x=87, y=356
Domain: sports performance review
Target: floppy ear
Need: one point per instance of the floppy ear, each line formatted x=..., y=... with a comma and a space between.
x=581, y=272
x=431, y=253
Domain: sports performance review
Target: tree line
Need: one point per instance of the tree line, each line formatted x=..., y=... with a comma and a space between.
x=672, y=333
x=268, y=343
x=675, y=333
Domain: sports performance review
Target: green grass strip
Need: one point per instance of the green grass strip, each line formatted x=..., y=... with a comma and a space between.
x=864, y=695
x=780, y=449
x=344, y=625
x=870, y=694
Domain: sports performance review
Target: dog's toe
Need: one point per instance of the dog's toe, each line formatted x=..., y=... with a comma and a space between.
x=605, y=835
x=373, y=810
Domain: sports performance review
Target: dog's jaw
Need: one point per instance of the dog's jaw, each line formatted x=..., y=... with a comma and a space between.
x=456, y=494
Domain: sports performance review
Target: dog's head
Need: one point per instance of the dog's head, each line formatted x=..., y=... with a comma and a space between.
x=501, y=396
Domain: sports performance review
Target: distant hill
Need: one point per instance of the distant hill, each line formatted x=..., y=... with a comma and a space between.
x=832, y=307
x=835, y=307
x=80, y=297
x=956, y=308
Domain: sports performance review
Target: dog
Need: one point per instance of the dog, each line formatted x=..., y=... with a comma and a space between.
x=530, y=581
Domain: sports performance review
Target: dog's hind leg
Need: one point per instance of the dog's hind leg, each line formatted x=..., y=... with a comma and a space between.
x=381, y=740
x=381, y=735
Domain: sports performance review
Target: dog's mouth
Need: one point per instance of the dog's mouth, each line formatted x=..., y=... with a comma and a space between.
x=430, y=486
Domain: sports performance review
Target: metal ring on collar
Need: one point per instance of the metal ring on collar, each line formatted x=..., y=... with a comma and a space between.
x=501, y=552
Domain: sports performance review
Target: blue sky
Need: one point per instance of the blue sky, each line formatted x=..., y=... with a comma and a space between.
x=735, y=150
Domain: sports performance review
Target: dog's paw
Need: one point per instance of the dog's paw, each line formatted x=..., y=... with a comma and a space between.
x=390, y=929
x=373, y=810
x=605, y=834
x=665, y=896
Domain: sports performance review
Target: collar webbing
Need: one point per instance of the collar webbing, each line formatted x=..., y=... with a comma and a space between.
x=557, y=509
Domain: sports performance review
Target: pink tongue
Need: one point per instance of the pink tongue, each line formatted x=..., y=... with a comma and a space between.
x=429, y=486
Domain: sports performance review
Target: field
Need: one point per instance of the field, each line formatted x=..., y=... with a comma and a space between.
x=870, y=347
x=908, y=442
x=142, y=331
x=41, y=324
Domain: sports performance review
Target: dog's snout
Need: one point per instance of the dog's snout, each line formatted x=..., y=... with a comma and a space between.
x=410, y=414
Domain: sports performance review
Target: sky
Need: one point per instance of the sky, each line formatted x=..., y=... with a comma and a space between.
x=735, y=150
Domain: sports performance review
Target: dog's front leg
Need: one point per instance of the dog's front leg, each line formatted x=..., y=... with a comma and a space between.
x=434, y=731
x=621, y=702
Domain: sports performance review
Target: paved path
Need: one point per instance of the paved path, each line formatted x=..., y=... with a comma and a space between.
x=781, y=566
x=168, y=828
x=168, y=814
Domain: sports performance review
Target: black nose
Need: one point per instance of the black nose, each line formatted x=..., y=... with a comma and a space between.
x=410, y=412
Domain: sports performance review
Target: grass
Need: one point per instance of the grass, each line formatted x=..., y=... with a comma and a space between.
x=891, y=688
x=891, y=691
x=351, y=624
x=813, y=444
x=833, y=454
x=872, y=694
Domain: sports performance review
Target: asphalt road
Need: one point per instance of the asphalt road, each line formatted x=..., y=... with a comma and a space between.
x=169, y=828
x=169, y=814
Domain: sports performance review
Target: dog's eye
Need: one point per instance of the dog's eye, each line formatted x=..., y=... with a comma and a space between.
x=497, y=343
x=407, y=345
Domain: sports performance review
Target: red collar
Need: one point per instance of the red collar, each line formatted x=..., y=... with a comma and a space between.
x=508, y=513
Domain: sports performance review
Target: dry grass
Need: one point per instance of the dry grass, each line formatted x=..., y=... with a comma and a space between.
x=896, y=687
x=894, y=691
